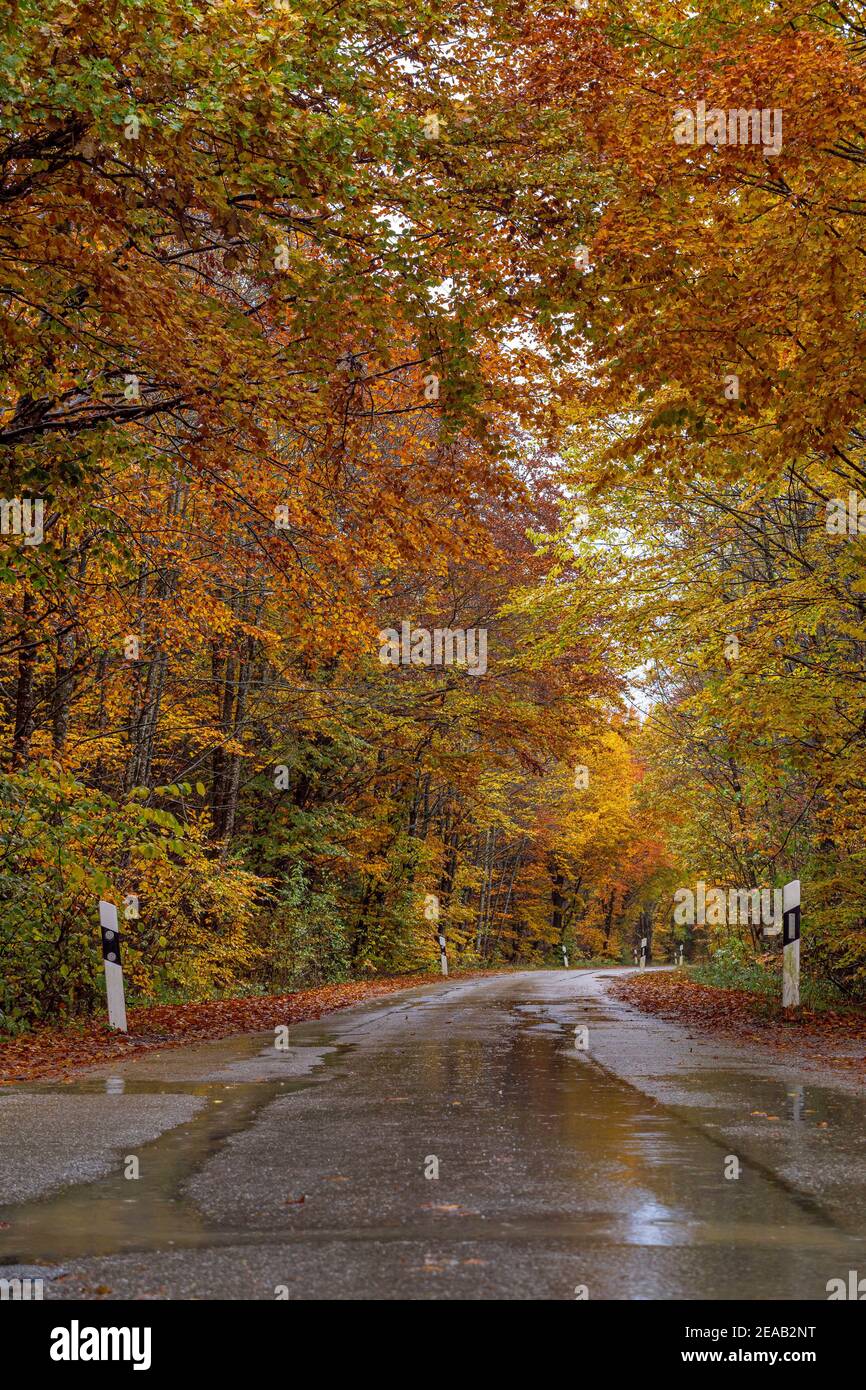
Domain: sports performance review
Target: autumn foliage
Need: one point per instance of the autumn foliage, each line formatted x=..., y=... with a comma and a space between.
x=321, y=320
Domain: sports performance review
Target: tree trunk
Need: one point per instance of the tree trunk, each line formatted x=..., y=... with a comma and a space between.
x=25, y=693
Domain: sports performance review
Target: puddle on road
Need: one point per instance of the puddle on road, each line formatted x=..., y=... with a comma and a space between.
x=115, y=1213
x=680, y=1158
x=549, y=1147
x=765, y=1098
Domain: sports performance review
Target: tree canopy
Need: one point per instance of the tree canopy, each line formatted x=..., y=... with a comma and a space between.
x=322, y=322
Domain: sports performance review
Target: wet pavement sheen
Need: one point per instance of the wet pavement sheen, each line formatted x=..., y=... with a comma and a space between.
x=562, y=1173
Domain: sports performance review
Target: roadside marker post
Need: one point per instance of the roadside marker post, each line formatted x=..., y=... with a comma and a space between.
x=443, y=954
x=113, y=967
x=564, y=956
x=790, y=930
x=791, y=945
x=643, y=953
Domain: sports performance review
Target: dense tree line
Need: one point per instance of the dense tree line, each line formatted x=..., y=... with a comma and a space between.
x=322, y=323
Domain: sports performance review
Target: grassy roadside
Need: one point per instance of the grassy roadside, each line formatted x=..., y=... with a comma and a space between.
x=56, y=1054
x=834, y=1037
x=730, y=969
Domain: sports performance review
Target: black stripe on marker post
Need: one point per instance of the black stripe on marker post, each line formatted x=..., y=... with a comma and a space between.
x=791, y=925
x=111, y=945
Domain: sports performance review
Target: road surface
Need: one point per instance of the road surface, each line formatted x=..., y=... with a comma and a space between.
x=564, y=1172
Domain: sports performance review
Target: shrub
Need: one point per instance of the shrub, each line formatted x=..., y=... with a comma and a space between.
x=63, y=847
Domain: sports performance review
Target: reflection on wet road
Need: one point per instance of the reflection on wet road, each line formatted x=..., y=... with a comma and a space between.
x=304, y=1171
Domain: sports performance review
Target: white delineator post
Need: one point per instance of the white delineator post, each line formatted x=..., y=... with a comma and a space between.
x=564, y=956
x=643, y=953
x=443, y=954
x=113, y=967
x=791, y=946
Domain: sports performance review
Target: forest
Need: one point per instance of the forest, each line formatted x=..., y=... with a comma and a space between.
x=431, y=465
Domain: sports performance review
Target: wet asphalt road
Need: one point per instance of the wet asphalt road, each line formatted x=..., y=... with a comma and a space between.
x=562, y=1172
